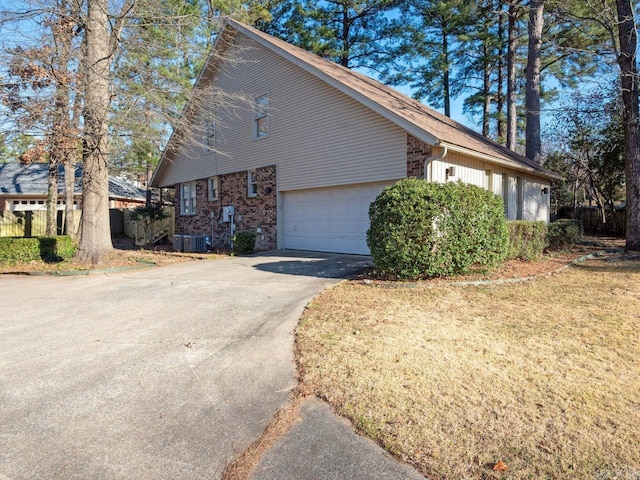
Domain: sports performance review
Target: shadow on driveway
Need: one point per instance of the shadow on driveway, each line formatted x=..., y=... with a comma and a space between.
x=313, y=264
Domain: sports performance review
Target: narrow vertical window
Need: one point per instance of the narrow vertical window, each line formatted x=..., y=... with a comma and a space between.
x=213, y=189
x=252, y=184
x=211, y=135
x=261, y=116
x=188, y=198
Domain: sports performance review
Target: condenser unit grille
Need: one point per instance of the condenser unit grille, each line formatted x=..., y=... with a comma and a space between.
x=178, y=243
x=195, y=243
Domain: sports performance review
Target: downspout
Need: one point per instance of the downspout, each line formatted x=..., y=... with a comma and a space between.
x=430, y=159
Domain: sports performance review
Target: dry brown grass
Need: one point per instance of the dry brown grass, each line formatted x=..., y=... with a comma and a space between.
x=543, y=375
x=118, y=259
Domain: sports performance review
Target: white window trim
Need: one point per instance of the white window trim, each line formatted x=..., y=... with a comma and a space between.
x=258, y=114
x=216, y=183
x=188, y=203
x=252, y=181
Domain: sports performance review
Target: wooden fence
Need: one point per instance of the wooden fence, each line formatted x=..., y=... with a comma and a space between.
x=591, y=219
x=33, y=224
x=30, y=223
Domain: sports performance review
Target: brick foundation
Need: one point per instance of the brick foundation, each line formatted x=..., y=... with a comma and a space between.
x=417, y=153
x=250, y=213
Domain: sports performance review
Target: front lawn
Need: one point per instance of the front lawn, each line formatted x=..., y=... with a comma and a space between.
x=543, y=376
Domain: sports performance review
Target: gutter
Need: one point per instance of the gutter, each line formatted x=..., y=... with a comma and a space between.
x=432, y=158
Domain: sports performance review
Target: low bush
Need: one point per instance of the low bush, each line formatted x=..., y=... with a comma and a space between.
x=244, y=243
x=527, y=239
x=421, y=229
x=564, y=233
x=50, y=249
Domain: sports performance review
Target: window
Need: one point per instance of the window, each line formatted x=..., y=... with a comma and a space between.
x=252, y=184
x=188, y=198
x=213, y=189
x=261, y=116
x=211, y=135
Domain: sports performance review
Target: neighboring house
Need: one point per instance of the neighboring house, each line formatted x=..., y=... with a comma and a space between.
x=320, y=143
x=24, y=187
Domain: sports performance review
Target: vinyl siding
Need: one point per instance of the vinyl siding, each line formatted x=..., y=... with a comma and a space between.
x=503, y=182
x=535, y=205
x=497, y=185
x=469, y=170
x=318, y=136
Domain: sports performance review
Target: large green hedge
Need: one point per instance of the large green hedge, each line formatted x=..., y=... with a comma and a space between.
x=50, y=249
x=564, y=233
x=421, y=229
x=527, y=239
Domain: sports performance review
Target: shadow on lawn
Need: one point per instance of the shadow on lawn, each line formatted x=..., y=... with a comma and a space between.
x=625, y=262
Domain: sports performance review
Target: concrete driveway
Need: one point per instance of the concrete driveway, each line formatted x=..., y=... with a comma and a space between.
x=160, y=373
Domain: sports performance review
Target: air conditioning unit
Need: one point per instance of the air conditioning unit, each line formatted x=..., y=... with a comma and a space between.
x=195, y=243
x=178, y=243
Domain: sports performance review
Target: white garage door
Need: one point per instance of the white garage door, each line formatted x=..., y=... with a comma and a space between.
x=332, y=219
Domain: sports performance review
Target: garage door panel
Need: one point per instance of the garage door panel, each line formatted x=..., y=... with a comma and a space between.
x=329, y=219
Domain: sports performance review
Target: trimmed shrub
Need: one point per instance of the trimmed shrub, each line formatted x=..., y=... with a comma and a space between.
x=18, y=250
x=50, y=249
x=244, y=243
x=564, y=233
x=421, y=229
x=57, y=248
x=527, y=239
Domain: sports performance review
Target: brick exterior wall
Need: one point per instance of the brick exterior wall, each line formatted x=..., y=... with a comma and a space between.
x=417, y=153
x=250, y=213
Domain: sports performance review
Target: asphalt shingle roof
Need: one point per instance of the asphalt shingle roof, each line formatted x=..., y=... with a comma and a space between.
x=414, y=116
x=32, y=179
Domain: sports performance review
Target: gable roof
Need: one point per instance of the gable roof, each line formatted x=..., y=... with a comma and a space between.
x=33, y=179
x=414, y=117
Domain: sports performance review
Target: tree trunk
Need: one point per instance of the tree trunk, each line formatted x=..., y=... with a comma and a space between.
x=486, y=87
x=445, y=74
x=62, y=29
x=71, y=159
x=628, y=36
x=51, y=228
x=512, y=47
x=95, y=233
x=69, y=196
x=532, y=99
x=344, y=56
x=500, y=80
x=575, y=198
